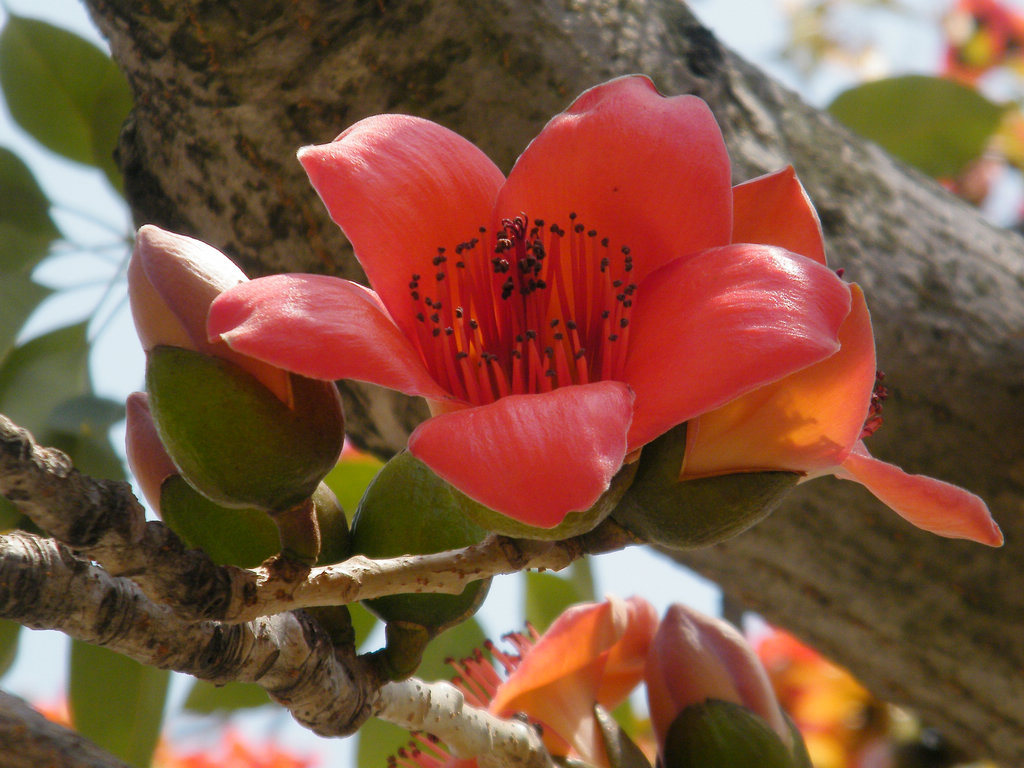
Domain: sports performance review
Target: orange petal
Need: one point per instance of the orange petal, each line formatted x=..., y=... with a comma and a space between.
x=806, y=422
x=932, y=505
x=775, y=210
x=592, y=653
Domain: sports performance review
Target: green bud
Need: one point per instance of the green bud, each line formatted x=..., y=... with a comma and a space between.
x=230, y=536
x=335, y=545
x=408, y=510
x=686, y=514
x=721, y=734
x=233, y=439
x=621, y=750
x=574, y=524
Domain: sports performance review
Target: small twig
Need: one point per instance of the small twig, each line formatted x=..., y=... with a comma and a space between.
x=441, y=709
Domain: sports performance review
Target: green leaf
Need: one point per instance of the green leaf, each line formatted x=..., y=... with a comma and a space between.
x=42, y=374
x=10, y=516
x=363, y=622
x=9, y=631
x=934, y=124
x=26, y=229
x=545, y=597
x=64, y=91
x=455, y=643
x=377, y=741
x=349, y=480
x=116, y=702
x=206, y=698
x=80, y=427
x=19, y=296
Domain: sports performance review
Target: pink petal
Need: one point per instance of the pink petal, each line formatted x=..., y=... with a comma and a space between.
x=172, y=279
x=693, y=658
x=805, y=422
x=710, y=328
x=147, y=457
x=401, y=187
x=930, y=504
x=775, y=210
x=648, y=172
x=534, y=458
x=323, y=328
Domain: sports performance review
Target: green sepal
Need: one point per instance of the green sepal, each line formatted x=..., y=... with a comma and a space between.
x=408, y=510
x=335, y=543
x=574, y=524
x=663, y=510
x=621, y=750
x=233, y=439
x=404, y=645
x=239, y=536
x=721, y=734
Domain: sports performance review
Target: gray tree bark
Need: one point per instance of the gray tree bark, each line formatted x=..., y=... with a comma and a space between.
x=227, y=89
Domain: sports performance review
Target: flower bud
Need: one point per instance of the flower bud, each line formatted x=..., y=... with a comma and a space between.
x=710, y=699
x=172, y=280
x=243, y=537
x=698, y=512
x=408, y=510
x=233, y=439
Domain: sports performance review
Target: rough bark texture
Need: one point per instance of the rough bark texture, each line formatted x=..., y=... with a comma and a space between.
x=227, y=89
x=29, y=740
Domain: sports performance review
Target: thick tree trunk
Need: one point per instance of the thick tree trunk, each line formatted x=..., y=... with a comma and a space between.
x=227, y=89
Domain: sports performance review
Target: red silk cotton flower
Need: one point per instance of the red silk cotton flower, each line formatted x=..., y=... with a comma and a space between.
x=556, y=320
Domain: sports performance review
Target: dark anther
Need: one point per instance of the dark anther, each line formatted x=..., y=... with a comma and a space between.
x=460, y=355
x=436, y=332
x=571, y=325
x=551, y=374
x=578, y=228
x=616, y=283
x=416, y=295
x=421, y=317
x=604, y=242
x=449, y=331
x=572, y=216
x=580, y=353
x=625, y=250
x=435, y=318
x=605, y=314
x=613, y=337
x=592, y=233
x=458, y=312
x=554, y=322
x=531, y=335
x=623, y=322
x=439, y=276
x=559, y=336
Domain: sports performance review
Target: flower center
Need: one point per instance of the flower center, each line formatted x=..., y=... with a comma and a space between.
x=878, y=397
x=548, y=307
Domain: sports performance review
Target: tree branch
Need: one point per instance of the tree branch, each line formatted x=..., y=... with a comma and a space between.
x=441, y=709
x=45, y=586
x=30, y=740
